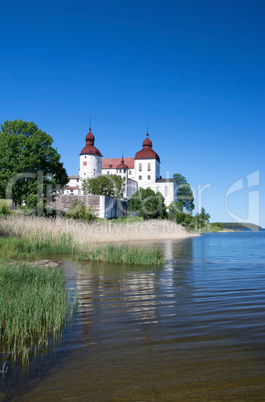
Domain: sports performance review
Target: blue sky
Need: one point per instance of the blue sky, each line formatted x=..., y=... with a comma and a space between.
x=194, y=71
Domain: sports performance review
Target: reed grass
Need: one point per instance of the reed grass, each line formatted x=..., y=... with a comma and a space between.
x=39, y=236
x=123, y=255
x=83, y=233
x=35, y=304
x=17, y=247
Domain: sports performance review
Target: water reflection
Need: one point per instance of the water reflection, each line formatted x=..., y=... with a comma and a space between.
x=190, y=330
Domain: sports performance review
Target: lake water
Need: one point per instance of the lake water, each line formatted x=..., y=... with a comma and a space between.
x=192, y=330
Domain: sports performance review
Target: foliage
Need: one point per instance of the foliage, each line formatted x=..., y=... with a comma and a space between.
x=109, y=185
x=197, y=222
x=202, y=218
x=184, y=193
x=5, y=210
x=148, y=204
x=34, y=306
x=79, y=211
x=29, y=165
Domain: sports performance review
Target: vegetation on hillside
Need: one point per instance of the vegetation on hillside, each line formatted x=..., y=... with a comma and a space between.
x=240, y=225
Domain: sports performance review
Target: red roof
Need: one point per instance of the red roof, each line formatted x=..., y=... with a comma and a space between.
x=113, y=163
x=122, y=165
x=90, y=148
x=147, y=151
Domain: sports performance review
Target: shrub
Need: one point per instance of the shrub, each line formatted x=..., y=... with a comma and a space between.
x=79, y=211
x=5, y=210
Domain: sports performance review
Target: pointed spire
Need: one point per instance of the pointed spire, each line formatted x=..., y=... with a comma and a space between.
x=90, y=124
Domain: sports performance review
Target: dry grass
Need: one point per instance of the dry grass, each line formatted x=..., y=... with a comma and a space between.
x=83, y=234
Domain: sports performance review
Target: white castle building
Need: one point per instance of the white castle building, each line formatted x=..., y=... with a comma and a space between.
x=142, y=171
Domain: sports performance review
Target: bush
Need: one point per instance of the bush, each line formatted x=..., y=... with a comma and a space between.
x=79, y=211
x=148, y=204
x=5, y=210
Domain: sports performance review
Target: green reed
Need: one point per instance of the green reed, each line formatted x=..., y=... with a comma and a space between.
x=17, y=247
x=123, y=254
x=35, y=305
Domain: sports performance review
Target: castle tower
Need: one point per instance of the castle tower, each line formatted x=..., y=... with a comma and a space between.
x=90, y=159
x=147, y=164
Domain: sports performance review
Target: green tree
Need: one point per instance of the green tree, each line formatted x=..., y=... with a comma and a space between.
x=176, y=214
x=29, y=165
x=202, y=218
x=110, y=185
x=148, y=204
x=184, y=193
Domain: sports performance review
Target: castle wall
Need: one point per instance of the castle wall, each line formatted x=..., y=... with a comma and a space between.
x=102, y=206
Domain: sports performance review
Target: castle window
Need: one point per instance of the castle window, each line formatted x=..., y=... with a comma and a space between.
x=84, y=163
x=166, y=191
x=149, y=167
x=140, y=167
x=140, y=177
x=77, y=180
x=120, y=171
x=130, y=172
x=107, y=171
x=148, y=177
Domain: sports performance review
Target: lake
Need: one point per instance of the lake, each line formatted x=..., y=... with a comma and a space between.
x=193, y=329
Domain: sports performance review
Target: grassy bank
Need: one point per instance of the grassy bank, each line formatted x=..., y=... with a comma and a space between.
x=34, y=306
x=123, y=254
x=33, y=237
x=15, y=247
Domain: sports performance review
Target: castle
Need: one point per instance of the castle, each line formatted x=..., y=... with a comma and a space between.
x=142, y=171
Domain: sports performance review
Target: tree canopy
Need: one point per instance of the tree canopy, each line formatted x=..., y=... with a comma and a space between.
x=197, y=222
x=184, y=193
x=30, y=167
x=110, y=185
x=148, y=204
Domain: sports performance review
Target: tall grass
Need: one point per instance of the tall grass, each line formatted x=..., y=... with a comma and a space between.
x=32, y=237
x=123, y=254
x=82, y=233
x=34, y=306
x=17, y=247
